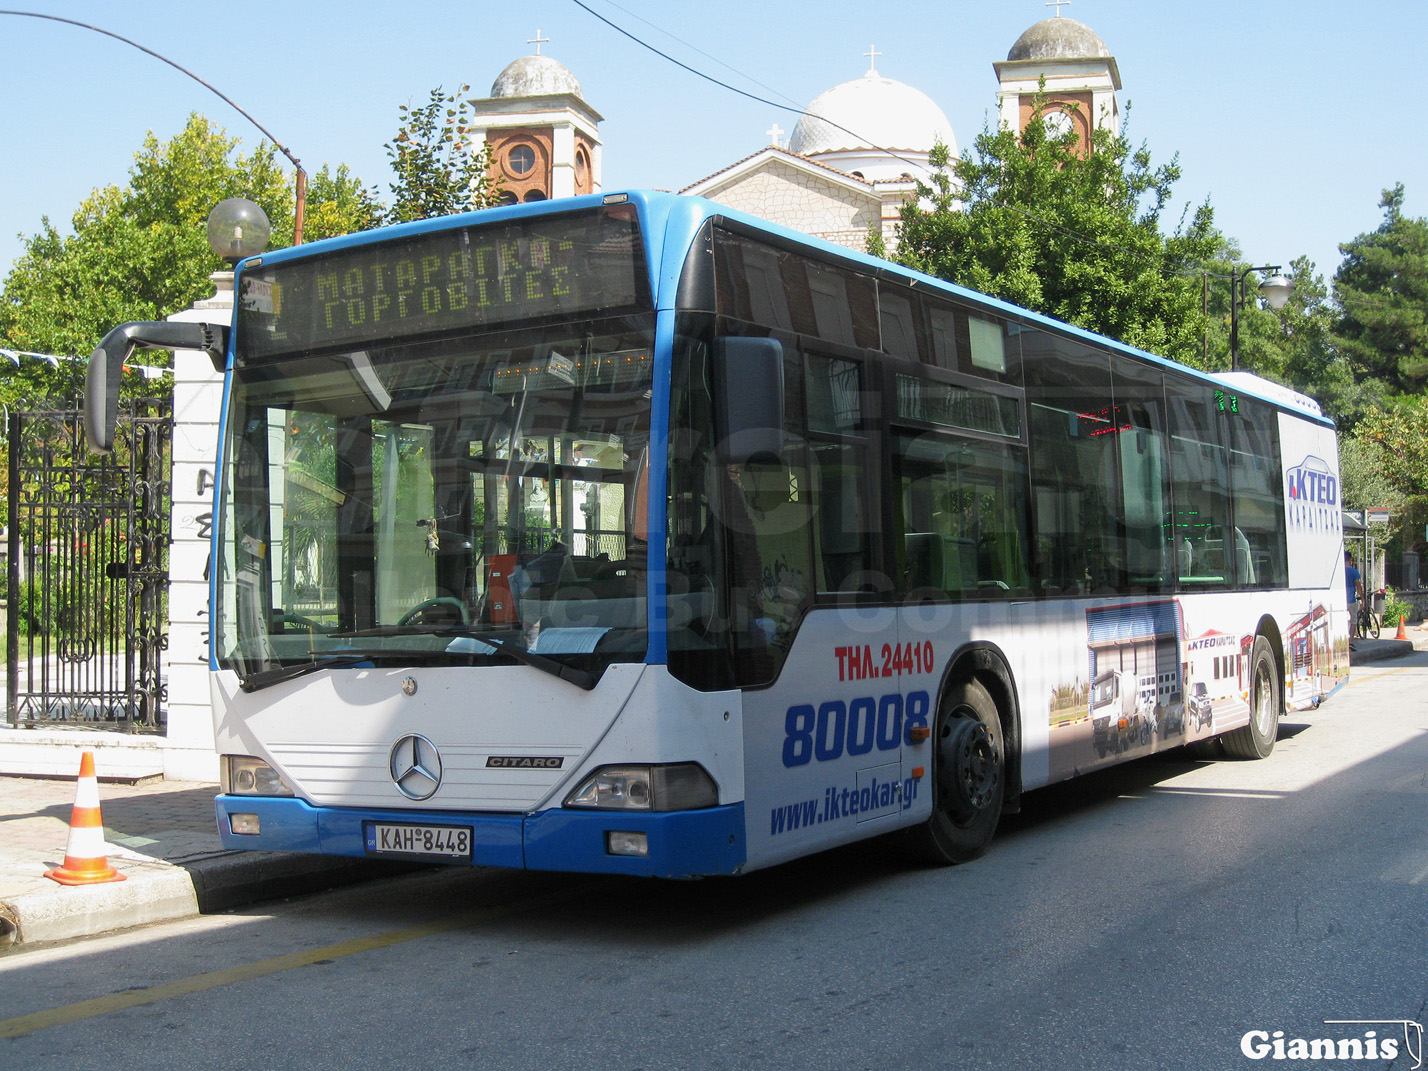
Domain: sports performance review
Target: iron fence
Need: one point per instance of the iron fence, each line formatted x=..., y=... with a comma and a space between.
x=87, y=572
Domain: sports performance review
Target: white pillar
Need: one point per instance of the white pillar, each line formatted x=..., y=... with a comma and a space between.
x=198, y=400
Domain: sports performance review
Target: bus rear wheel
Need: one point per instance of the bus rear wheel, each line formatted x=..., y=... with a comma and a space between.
x=1256, y=740
x=968, y=777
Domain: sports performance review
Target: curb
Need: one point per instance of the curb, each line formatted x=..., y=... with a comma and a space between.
x=1379, y=651
x=163, y=892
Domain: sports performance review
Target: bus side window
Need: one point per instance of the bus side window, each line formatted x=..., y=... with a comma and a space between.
x=1262, y=556
x=1074, y=471
x=776, y=566
x=840, y=457
x=961, y=521
x=1199, y=489
x=1144, y=479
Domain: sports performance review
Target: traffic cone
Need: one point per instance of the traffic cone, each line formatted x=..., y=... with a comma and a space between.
x=85, y=860
x=1402, y=632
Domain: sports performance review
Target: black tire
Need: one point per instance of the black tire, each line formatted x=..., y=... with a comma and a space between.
x=968, y=778
x=1375, y=625
x=1256, y=740
x=1207, y=750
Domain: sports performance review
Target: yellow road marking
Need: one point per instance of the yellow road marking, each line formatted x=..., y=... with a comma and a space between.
x=1378, y=675
x=90, y=1009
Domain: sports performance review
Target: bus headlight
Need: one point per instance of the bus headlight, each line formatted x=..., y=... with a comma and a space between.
x=685, y=786
x=243, y=775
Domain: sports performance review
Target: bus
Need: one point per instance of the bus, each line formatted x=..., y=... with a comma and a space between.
x=632, y=534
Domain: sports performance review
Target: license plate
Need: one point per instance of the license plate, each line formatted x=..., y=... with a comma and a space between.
x=429, y=842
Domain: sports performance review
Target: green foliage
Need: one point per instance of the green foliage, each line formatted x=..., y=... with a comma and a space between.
x=337, y=204
x=1382, y=290
x=1394, y=611
x=1031, y=219
x=1384, y=462
x=1400, y=431
x=137, y=253
x=438, y=169
x=140, y=252
x=1362, y=475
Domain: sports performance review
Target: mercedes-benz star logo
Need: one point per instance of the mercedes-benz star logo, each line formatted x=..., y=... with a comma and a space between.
x=416, y=767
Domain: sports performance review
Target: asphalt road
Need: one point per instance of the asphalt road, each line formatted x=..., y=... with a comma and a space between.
x=1146, y=917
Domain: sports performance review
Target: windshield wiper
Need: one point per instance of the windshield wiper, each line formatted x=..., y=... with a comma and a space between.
x=581, y=678
x=264, y=677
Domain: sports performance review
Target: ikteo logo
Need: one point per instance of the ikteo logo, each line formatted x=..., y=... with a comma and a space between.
x=1380, y=1042
x=1313, y=497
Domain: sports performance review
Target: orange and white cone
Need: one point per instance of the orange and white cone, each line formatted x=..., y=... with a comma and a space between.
x=1402, y=632
x=86, y=861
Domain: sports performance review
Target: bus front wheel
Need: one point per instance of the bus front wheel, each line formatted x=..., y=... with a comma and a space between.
x=1256, y=740
x=968, y=777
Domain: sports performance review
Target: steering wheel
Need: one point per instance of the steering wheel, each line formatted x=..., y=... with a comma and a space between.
x=450, y=608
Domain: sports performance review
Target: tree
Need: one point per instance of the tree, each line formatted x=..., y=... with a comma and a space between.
x=1384, y=462
x=1382, y=291
x=1032, y=219
x=137, y=253
x=1401, y=433
x=337, y=204
x=438, y=169
x=140, y=252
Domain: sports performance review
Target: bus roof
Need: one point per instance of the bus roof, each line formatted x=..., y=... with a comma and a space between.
x=678, y=217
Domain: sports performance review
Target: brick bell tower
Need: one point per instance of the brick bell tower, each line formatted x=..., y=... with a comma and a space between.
x=1082, y=79
x=543, y=139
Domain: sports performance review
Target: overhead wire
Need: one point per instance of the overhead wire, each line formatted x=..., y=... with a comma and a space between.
x=1026, y=213
x=735, y=89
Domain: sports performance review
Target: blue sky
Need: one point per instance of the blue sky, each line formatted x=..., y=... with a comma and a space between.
x=1290, y=117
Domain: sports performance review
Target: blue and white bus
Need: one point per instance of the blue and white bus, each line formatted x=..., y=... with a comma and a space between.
x=631, y=534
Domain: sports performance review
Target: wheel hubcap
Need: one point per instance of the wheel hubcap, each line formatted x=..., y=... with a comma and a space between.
x=969, y=768
x=1263, y=700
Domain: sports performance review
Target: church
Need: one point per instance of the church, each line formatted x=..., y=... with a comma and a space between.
x=852, y=157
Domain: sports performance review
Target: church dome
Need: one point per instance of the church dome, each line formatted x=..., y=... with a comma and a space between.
x=871, y=112
x=1058, y=39
x=535, y=76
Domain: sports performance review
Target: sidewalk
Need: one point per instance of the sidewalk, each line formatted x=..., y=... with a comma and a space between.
x=1361, y=652
x=162, y=836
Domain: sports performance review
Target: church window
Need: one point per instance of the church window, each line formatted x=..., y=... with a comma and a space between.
x=520, y=159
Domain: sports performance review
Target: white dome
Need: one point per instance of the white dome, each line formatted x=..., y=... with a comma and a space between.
x=535, y=76
x=871, y=112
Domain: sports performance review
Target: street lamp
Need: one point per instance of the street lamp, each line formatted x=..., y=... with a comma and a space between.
x=1275, y=291
x=238, y=228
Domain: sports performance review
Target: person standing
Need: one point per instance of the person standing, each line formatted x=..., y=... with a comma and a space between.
x=1354, y=583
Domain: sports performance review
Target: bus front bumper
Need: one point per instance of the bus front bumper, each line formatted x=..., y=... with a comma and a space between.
x=681, y=844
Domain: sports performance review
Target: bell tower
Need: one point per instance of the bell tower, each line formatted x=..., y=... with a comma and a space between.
x=543, y=139
x=1081, y=75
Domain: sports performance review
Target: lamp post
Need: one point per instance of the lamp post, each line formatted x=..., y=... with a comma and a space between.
x=1275, y=290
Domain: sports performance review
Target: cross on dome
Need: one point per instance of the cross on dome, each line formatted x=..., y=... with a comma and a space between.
x=873, y=55
x=538, y=40
x=1057, y=4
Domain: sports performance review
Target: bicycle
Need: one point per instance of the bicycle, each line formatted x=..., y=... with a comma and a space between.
x=1369, y=623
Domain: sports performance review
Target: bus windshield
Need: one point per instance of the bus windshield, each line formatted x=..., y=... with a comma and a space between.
x=401, y=500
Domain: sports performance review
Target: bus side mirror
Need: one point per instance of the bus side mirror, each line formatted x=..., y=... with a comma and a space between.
x=748, y=398
x=106, y=367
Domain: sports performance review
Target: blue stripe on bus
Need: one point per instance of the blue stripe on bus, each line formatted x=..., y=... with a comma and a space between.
x=681, y=843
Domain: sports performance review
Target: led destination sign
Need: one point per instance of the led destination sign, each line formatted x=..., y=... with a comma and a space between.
x=574, y=264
